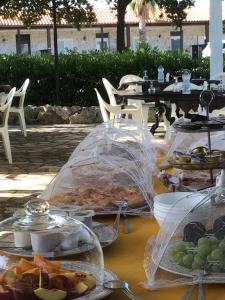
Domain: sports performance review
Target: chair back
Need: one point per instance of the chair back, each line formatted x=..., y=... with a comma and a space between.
x=22, y=92
x=5, y=108
x=103, y=106
x=110, y=90
x=130, y=78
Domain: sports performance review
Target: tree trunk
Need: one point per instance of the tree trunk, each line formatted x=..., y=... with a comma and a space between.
x=121, y=12
x=181, y=39
x=142, y=32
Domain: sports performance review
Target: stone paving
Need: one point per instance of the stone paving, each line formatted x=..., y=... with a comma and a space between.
x=36, y=160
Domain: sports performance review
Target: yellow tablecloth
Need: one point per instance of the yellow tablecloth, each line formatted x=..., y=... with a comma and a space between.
x=125, y=257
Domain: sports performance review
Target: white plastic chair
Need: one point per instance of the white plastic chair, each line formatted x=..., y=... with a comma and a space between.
x=133, y=110
x=21, y=93
x=5, y=109
x=110, y=111
x=140, y=104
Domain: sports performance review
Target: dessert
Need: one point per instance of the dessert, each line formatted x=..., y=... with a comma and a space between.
x=185, y=158
x=213, y=158
x=98, y=197
x=199, y=150
x=43, y=279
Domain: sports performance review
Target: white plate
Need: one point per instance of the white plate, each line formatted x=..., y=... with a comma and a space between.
x=106, y=235
x=169, y=265
x=99, y=292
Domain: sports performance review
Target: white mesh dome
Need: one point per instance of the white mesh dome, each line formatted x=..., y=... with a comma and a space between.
x=191, y=247
x=114, y=162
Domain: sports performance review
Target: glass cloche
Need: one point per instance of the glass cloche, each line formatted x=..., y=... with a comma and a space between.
x=39, y=237
x=190, y=248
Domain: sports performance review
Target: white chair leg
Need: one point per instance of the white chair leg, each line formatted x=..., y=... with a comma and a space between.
x=6, y=143
x=144, y=112
x=22, y=123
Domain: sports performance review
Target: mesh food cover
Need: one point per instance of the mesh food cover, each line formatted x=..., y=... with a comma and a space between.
x=191, y=247
x=114, y=162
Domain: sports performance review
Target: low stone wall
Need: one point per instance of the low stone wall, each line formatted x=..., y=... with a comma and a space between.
x=49, y=115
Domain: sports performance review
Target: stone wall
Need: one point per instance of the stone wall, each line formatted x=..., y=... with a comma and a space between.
x=49, y=115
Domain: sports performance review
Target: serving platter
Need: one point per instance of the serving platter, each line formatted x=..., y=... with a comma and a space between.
x=197, y=166
x=167, y=264
x=106, y=235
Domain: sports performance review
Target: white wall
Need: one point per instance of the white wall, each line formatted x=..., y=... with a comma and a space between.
x=85, y=39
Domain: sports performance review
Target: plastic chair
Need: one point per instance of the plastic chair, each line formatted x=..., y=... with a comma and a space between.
x=140, y=104
x=21, y=93
x=134, y=111
x=5, y=109
x=109, y=112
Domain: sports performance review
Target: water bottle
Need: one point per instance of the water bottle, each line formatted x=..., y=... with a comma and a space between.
x=175, y=86
x=161, y=74
x=145, y=77
x=186, y=77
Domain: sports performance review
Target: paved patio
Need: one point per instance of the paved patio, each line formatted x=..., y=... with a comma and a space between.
x=36, y=160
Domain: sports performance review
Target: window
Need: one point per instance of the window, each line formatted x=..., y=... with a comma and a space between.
x=102, y=41
x=23, y=44
x=175, y=40
x=64, y=45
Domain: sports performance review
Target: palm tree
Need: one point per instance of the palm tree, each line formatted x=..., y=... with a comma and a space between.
x=143, y=10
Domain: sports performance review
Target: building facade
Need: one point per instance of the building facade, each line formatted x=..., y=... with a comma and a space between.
x=15, y=38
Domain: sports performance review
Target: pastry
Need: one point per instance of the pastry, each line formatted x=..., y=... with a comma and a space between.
x=214, y=158
x=199, y=151
x=98, y=197
x=185, y=158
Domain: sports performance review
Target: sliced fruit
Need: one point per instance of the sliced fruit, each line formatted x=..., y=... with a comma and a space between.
x=81, y=287
x=90, y=281
x=46, y=294
x=10, y=276
x=60, y=282
x=25, y=265
x=3, y=290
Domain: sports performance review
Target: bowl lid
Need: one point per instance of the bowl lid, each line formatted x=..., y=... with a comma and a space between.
x=37, y=217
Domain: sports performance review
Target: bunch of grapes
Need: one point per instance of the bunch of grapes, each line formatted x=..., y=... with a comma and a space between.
x=208, y=253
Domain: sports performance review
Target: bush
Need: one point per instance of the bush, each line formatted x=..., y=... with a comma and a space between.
x=81, y=73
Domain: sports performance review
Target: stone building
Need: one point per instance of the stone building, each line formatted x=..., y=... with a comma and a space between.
x=15, y=38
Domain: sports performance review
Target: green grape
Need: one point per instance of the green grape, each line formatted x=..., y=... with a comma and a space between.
x=173, y=251
x=217, y=254
x=222, y=263
x=222, y=245
x=213, y=240
x=214, y=246
x=209, y=257
x=204, y=250
x=216, y=268
x=188, y=260
x=199, y=261
x=181, y=247
x=179, y=258
x=203, y=241
x=195, y=266
x=189, y=245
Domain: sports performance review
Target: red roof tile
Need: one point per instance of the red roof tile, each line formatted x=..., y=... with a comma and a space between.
x=107, y=16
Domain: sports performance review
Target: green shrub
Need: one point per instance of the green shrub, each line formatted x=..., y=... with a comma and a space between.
x=81, y=73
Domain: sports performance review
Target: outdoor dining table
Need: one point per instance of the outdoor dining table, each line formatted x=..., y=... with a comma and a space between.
x=125, y=257
x=162, y=99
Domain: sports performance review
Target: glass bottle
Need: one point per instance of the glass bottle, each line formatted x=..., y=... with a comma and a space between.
x=186, y=77
x=160, y=74
x=145, y=77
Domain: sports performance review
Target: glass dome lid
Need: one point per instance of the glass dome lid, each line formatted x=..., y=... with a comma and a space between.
x=37, y=217
x=40, y=236
x=191, y=247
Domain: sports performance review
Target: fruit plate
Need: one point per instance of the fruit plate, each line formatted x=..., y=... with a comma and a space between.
x=167, y=264
x=99, y=292
x=106, y=235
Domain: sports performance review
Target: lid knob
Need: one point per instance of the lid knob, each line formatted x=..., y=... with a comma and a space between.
x=37, y=207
